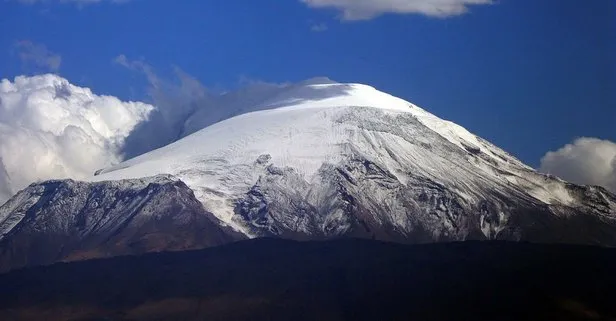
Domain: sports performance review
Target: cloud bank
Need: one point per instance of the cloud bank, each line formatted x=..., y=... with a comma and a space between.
x=37, y=56
x=368, y=9
x=588, y=161
x=50, y=128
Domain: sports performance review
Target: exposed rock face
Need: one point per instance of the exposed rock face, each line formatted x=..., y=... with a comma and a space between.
x=68, y=220
x=361, y=199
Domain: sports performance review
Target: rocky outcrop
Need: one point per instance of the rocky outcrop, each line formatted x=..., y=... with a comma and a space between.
x=67, y=220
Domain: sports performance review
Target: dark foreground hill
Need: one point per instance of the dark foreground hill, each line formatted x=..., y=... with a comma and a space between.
x=271, y=279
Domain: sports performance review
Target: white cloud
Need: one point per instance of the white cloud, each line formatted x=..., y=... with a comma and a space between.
x=588, y=161
x=38, y=56
x=368, y=9
x=50, y=128
x=353, y=9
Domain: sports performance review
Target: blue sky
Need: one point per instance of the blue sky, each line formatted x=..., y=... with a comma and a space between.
x=528, y=75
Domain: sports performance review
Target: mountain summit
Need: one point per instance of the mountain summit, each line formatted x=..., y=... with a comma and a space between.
x=321, y=159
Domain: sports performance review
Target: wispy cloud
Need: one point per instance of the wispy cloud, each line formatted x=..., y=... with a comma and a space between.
x=174, y=99
x=368, y=9
x=183, y=105
x=351, y=9
x=588, y=161
x=37, y=56
x=319, y=27
x=140, y=66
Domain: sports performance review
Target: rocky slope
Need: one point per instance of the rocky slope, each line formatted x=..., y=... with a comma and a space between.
x=69, y=220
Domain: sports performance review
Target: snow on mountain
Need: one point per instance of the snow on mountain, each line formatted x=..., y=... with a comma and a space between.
x=329, y=159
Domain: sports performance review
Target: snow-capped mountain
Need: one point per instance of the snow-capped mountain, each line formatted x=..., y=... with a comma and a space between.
x=320, y=159
x=313, y=156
